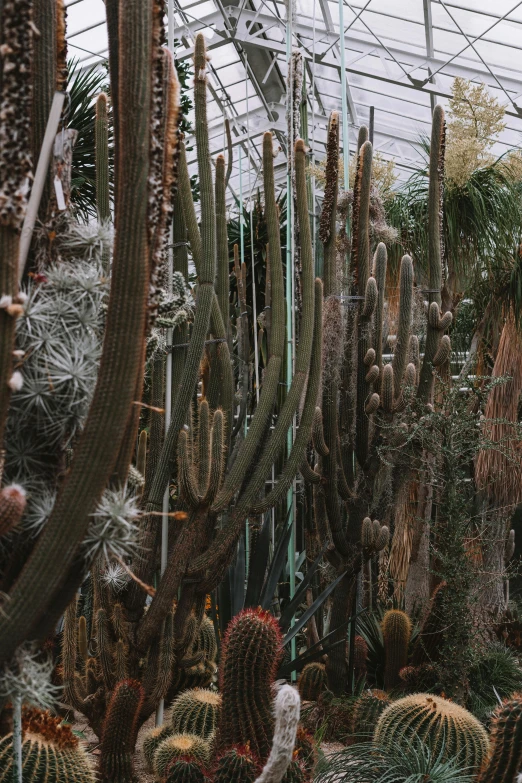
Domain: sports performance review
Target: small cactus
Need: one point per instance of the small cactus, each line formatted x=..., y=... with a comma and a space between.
x=505, y=758
x=51, y=753
x=366, y=712
x=196, y=712
x=184, y=770
x=312, y=681
x=152, y=740
x=180, y=746
x=237, y=765
x=440, y=724
x=12, y=506
x=119, y=732
x=396, y=631
x=250, y=656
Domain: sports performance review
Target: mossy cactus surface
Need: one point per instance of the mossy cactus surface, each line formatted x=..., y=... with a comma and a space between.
x=312, y=681
x=196, y=712
x=442, y=725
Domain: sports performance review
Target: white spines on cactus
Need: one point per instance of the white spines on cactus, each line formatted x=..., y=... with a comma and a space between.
x=287, y=708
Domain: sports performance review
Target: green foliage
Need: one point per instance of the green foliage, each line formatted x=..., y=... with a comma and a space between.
x=506, y=737
x=250, y=656
x=180, y=746
x=196, y=712
x=412, y=763
x=442, y=725
x=496, y=667
x=312, y=681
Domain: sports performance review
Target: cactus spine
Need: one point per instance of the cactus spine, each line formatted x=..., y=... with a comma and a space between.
x=441, y=724
x=366, y=712
x=152, y=740
x=184, y=771
x=396, y=631
x=505, y=759
x=236, y=765
x=250, y=656
x=312, y=681
x=196, y=712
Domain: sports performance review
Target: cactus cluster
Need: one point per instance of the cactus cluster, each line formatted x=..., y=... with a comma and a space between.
x=51, y=753
x=441, y=724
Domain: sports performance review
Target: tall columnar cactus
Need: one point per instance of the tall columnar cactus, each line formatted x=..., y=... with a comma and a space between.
x=51, y=753
x=396, y=631
x=286, y=708
x=505, y=759
x=119, y=732
x=312, y=681
x=236, y=765
x=180, y=746
x=196, y=712
x=360, y=657
x=250, y=656
x=101, y=129
x=442, y=725
x=366, y=712
x=16, y=39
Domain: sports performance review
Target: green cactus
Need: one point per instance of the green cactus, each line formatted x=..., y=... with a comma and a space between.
x=250, y=656
x=312, y=681
x=443, y=725
x=366, y=712
x=180, y=746
x=505, y=759
x=206, y=639
x=196, y=712
x=51, y=753
x=396, y=632
x=12, y=506
x=184, y=771
x=237, y=765
x=119, y=732
x=151, y=741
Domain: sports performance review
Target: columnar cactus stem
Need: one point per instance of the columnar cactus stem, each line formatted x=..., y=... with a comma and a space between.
x=505, y=758
x=101, y=129
x=41, y=581
x=402, y=344
x=396, y=631
x=119, y=733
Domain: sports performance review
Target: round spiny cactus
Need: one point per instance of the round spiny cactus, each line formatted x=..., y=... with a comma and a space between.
x=180, y=746
x=440, y=724
x=184, y=770
x=366, y=712
x=396, y=632
x=312, y=681
x=152, y=739
x=296, y=773
x=505, y=759
x=251, y=653
x=51, y=753
x=237, y=765
x=196, y=712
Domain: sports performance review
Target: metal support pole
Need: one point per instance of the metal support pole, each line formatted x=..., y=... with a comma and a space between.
x=344, y=104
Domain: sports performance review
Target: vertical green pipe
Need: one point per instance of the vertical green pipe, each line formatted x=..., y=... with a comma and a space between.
x=290, y=304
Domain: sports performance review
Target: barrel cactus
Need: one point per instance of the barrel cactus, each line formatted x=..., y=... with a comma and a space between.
x=296, y=773
x=441, y=724
x=51, y=753
x=366, y=712
x=312, y=681
x=237, y=765
x=152, y=740
x=505, y=759
x=184, y=770
x=196, y=712
x=180, y=746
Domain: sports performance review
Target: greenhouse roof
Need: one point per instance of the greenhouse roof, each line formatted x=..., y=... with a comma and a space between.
x=400, y=58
